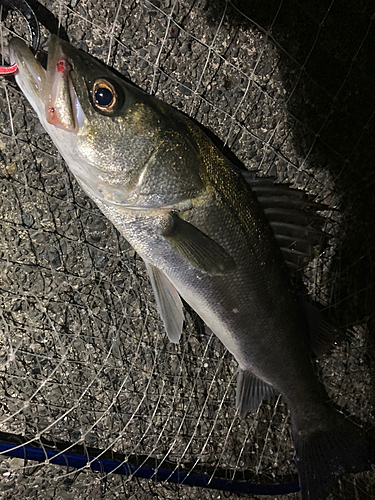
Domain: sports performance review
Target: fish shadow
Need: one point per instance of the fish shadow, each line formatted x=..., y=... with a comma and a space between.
x=333, y=97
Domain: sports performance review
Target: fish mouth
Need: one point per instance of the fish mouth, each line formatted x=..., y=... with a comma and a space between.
x=51, y=91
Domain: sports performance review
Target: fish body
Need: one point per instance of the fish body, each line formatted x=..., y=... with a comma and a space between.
x=202, y=234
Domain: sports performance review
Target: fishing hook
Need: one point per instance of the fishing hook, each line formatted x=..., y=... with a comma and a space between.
x=32, y=24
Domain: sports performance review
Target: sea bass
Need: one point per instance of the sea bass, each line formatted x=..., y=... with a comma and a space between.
x=202, y=234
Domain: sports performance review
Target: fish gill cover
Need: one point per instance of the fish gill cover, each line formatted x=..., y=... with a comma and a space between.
x=84, y=357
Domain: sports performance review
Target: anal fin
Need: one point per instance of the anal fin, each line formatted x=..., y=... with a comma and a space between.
x=250, y=392
x=168, y=302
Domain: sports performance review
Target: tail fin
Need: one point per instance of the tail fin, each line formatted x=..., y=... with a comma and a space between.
x=323, y=455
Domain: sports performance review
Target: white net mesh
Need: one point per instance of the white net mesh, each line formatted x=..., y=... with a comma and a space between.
x=84, y=359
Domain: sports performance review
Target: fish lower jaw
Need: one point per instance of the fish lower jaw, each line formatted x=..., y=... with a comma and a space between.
x=31, y=75
x=32, y=91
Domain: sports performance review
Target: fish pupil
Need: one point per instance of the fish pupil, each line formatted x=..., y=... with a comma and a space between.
x=103, y=96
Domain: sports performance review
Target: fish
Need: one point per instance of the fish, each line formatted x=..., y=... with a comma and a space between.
x=207, y=233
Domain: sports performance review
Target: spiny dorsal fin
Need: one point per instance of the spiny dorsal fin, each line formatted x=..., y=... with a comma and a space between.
x=292, y=217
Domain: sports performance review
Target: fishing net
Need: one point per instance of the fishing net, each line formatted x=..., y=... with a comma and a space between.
x=85, y=365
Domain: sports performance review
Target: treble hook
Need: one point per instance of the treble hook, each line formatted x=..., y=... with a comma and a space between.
x=32, y=24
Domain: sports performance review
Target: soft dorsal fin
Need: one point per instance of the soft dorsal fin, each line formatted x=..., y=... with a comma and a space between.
x=168, y=302
x=323, y=336
x=291, y=216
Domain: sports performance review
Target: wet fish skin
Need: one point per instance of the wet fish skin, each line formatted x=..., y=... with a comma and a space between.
x=203, y=236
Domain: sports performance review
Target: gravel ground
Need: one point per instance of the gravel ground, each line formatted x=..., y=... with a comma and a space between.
x=287, y=88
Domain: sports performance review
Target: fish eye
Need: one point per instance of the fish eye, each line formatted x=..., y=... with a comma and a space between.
x=104, y=96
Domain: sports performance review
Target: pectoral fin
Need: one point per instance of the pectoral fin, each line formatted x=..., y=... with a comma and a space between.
x=198, y=249
x=251, y=391
x=168, y=302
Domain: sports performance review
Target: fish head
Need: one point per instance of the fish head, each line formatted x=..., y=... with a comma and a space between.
x=125, y=147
